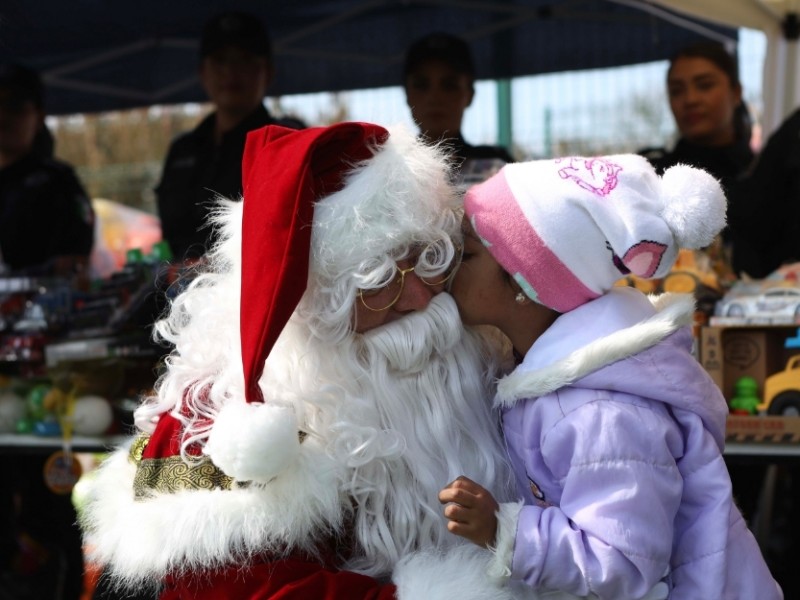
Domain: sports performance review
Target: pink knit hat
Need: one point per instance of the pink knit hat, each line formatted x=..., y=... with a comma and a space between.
x=568, y=229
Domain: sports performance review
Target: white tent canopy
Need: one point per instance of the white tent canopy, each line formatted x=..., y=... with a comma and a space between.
x=778, y=19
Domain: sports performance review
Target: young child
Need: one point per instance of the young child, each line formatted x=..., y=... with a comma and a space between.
x=613, y=428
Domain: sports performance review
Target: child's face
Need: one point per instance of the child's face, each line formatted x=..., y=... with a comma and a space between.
x=480, y=287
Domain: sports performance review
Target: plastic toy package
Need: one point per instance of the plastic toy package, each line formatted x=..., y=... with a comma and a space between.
x=99, y=338
x=774, y=300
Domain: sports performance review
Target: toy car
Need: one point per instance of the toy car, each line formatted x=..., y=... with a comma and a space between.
x=781, y=302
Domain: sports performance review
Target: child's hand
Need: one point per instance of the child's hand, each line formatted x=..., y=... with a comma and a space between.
x=471, y=511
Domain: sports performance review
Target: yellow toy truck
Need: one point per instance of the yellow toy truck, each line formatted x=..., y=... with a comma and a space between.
x=782, y=391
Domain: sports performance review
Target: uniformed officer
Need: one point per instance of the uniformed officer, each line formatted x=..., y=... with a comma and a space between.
x=46, y=218
x=235, y=69
x=439, y=82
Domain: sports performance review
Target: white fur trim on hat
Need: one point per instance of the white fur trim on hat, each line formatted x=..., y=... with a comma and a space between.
x=253, y=441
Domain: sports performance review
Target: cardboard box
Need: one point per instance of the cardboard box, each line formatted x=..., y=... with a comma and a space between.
x=728, y=353
x=762, y=428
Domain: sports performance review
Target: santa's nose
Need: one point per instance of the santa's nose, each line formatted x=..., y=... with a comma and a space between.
x=416, y=294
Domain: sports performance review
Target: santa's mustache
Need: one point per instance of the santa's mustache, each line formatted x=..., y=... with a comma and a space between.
x=408, y=343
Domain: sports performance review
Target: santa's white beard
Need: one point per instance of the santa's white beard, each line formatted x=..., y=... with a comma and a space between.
x=407, y=408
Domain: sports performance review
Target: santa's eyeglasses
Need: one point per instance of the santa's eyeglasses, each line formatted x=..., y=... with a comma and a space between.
x=383, y=298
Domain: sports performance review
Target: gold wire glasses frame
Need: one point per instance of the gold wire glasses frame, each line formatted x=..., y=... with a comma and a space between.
x=394, y=289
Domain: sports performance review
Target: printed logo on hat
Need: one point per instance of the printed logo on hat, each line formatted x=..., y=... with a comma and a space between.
x=595, y=175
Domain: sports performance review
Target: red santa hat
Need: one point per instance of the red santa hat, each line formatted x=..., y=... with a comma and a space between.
x=285, y=172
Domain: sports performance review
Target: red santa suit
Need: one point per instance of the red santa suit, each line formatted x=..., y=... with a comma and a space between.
x=282, y=455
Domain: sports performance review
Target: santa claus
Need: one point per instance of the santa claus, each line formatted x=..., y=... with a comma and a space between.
x=320, y=392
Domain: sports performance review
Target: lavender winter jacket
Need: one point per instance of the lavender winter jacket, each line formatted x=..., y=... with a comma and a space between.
x=616, y=433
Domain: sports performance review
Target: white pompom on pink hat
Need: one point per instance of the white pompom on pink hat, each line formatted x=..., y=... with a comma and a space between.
x=568, y=229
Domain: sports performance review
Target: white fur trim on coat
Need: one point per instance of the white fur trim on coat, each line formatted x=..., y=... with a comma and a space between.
x=507, y=519
x=674, y=312
x=141, y=540
x=459, y=573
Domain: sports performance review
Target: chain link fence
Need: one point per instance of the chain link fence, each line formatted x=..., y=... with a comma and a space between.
x=624, y=109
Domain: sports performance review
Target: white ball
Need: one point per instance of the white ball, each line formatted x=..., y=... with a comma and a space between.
x=253, y=441
x=694, y=205
x=92, y=415
x=12, y=409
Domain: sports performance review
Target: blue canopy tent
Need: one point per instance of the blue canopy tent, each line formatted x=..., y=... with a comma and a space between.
x=99, y=55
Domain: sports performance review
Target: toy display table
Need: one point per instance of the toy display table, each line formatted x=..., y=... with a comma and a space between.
x=11, y=443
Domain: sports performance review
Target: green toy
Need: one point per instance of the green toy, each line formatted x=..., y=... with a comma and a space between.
x=35, y=401
x=745, y=399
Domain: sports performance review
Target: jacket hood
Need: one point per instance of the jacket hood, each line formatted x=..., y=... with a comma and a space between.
x=622, y=342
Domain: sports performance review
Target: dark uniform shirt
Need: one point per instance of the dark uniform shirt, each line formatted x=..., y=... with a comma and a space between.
x=765, y=207
x=44, y=213
x=726, y=163
x=463, y=151
x=474, y=164
x=196, y=171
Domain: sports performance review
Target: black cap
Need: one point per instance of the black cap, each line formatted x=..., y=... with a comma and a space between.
x=445, y=47
x=239, y=29
x=20, y=84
